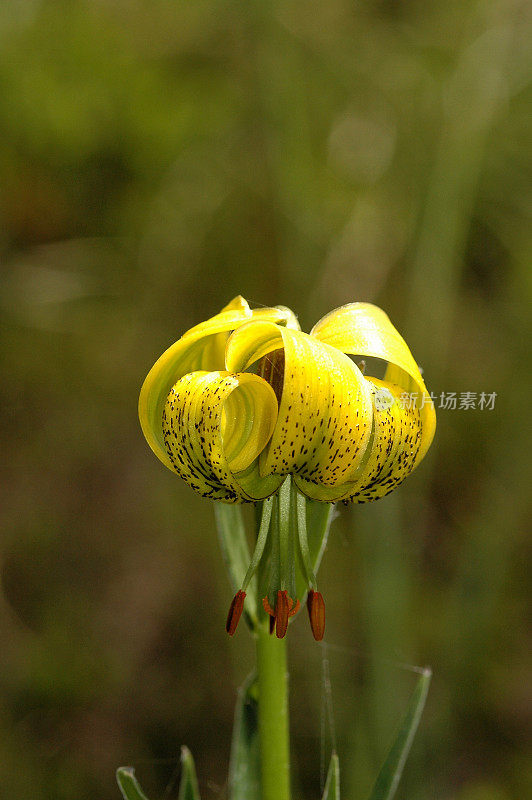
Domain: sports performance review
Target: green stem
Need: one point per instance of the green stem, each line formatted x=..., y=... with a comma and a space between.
x=272, y=672
x=273, y=715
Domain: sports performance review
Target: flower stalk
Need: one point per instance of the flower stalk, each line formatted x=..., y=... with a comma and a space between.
x=272, y=668
x=274, y=739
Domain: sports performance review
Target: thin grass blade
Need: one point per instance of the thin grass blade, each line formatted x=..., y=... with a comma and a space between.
x=332, y=785
x=188, y=788
x=392, y=769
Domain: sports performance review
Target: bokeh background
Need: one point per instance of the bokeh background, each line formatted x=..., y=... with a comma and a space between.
x=157, y=158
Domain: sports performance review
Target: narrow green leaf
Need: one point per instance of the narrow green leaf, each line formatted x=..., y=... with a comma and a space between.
x=332, y=785
x=188, y=788
x=244, y=766
x=128, y=784
x=235, y=552
x=392, y=769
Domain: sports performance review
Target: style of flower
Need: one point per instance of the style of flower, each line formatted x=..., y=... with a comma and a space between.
x=246, y=406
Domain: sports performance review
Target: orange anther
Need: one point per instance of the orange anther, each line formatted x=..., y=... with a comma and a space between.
x=282, y=610
x=235, y=612
x=316, y=613
x=267, y=607
x=295, y=608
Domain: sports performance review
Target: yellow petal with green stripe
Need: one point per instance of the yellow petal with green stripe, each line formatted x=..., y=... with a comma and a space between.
x=325, y=409
x=200, y=348
x=214, y=427
x=362, y=329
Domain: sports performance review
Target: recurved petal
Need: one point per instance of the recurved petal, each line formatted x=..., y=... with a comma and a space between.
x=325, y=410
x=214, y=427
x=200, y=348
x=239, y=312
x=394, y=447
x=422, y=402
x=362, y=329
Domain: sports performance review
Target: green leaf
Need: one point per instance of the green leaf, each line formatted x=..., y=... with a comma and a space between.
x=244, y=767
x=188, y=788
x=128, y=784
x=332, y=785
x=392, y=769
x=235, y=552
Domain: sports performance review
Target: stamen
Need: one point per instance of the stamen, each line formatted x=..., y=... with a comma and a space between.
x=286, y=532
x=267, y=607
x=295, y=609
x=316, y=613
x=235, y=612
x=304, y=552
x=282, y=610
x=269, y=610
x=261, y=541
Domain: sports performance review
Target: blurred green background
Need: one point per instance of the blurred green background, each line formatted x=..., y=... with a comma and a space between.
x=157, y=158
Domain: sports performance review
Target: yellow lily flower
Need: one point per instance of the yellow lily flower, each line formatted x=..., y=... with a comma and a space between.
x=246, y=398
x=246, y=404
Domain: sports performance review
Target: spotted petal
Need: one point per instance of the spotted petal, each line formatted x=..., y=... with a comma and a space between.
x=362, y=329
x=394, y=447
x=214, y=426
x=325, y=409
x=200, y=348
